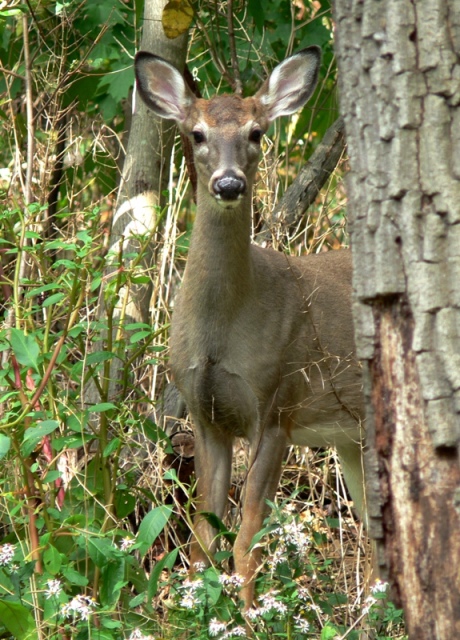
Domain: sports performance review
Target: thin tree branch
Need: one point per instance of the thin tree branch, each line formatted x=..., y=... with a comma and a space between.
x=30, y=113
x=237, y=86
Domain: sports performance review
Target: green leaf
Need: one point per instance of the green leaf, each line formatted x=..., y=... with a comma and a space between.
x=34, y=435
x=328, y=633
x=100, y=550
x=25, y=348
x=212, y=585
x=99, y=356
x=52, y=560
x=5, y=444
x=52, y=476
x=124, y=502
x=151, y=527
x=101, y=407
x=74, y=577
x=54, y=299
x=111, y=447
x=139, y=335
x=136, y=601
x=18, y=620
x=112, y=576
x=167, y=562
x=51, y=286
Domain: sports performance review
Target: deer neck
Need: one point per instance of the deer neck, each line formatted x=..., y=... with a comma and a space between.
x=219, y=275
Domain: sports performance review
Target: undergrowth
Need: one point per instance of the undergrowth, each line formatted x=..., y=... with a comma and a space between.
x=94, y=510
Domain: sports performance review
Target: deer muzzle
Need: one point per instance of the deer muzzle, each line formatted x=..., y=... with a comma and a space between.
x=228, y=187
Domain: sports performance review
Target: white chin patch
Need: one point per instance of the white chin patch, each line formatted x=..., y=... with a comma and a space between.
x=228, y=204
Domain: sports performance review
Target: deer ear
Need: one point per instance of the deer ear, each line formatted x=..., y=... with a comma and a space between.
x=290, y=84
x=161, y=87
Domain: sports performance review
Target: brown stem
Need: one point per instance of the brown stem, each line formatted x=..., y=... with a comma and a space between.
x=30, y=112
x=237, y=85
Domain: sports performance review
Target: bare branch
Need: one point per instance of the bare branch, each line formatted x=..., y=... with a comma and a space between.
x=237, y=85
x=30, y=113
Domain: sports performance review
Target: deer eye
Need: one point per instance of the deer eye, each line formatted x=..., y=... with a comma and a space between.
x=256, y=135
x=198, y=137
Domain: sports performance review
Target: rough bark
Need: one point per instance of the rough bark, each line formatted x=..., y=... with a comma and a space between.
x=400, y=96
x=146, y=167
x=144, y=178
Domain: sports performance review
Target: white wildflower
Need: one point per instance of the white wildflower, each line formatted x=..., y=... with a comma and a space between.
x=188, y=601
x=302, y=594
x=235, y=580
x=126, y=544
x=379, y=587
x=136, y=634
x=278, y=556
x=54, y=588
x=216, y=627
x=301, y=624
x=368, y=603
x=269, y=603
x=281, y=608
x=6, y=554
x=253, y=613
x=191, y=585
x=79, y=608
x=199, y=566
x=235, y=632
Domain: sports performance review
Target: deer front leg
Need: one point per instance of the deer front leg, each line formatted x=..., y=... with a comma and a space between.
x=213, y=460
x=261, y=484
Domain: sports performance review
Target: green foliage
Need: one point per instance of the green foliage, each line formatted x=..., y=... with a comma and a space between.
x=92, y=537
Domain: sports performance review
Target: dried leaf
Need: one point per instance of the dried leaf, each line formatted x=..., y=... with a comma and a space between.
x=177, y=17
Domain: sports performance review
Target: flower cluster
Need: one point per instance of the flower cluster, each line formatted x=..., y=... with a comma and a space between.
x=378, y=587
x=54, y=589
x=136, y=634
x=301, y=624
x=269, y=604
x=126, y=544
x=216, y=627
x=6, y=554
x=189, y=589
x=234, y=581
x=79, y=608
x=291, y=538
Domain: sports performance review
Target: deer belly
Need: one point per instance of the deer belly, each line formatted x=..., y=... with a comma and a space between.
x=220, y=398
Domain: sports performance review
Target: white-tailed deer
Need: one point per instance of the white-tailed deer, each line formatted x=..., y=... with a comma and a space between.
x=262, y=343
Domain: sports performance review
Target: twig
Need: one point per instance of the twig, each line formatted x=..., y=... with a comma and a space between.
x=237, y=86
x=30, y=113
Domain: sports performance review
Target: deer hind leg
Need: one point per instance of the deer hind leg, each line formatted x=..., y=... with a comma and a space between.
x=351, y=459
x=261, y=484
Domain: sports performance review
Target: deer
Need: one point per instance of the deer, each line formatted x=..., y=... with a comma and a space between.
x=262, y=343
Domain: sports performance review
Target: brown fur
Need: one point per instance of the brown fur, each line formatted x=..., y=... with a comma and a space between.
x=262, y=343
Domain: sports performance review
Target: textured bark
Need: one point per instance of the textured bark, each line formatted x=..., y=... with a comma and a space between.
x=144, y=177
x=400, y=96
x=146, y=167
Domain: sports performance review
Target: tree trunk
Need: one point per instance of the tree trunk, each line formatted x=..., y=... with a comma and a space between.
x=400, y=95
x=144, y=178
x=146, y=167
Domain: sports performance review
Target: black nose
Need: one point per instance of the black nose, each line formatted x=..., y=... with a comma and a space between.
x=229, y=186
